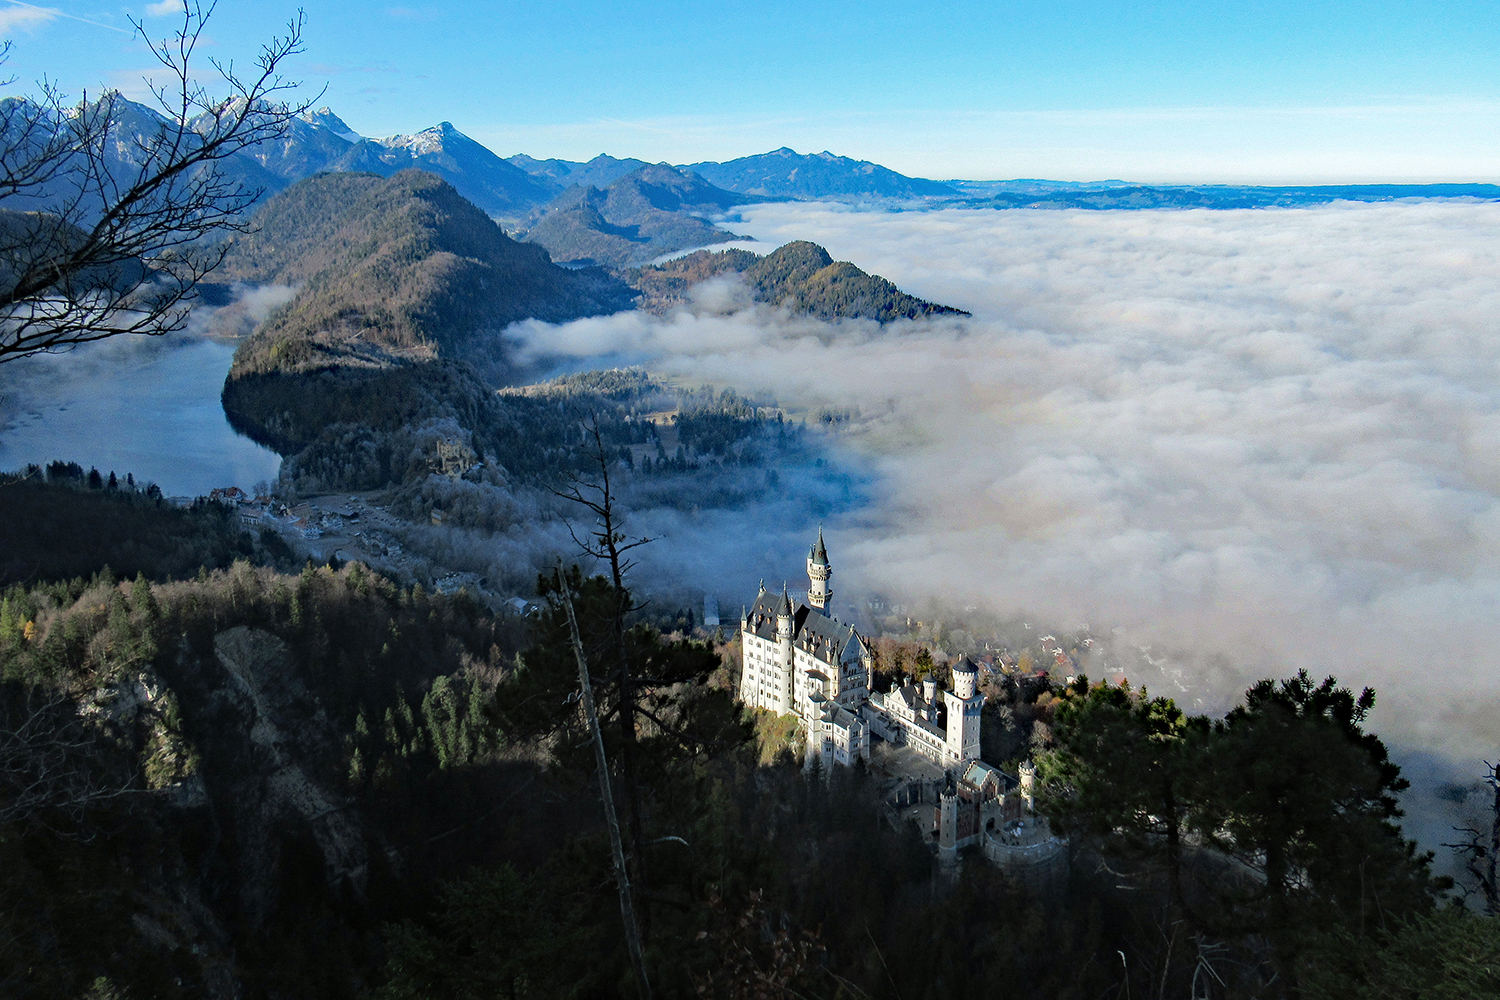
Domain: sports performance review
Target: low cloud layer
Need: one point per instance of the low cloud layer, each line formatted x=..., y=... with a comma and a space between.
x=1264, y=440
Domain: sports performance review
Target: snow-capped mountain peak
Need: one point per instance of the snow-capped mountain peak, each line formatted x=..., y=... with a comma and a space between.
x=423, y=143
x=325, y=118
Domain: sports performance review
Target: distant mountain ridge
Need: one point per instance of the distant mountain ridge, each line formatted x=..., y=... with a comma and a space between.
x=325, y=118
x=1120, y=195
x=500, y=188
x=649, y=212
x=135, y=127
x=514, y=189
x=602, y=171
x=785, y=173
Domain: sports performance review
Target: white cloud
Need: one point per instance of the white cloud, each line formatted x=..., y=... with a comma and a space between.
x=164, y=8
x=24, y=17
x=1271, y=435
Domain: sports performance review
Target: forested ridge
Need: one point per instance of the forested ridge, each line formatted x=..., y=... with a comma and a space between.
x=799, y=276
x=60, y=522
x=401, y=265
x=344, y=428
x=392, y=341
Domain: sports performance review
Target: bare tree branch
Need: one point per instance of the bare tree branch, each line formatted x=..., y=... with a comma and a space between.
x=51, y=770
x=108, y=216
x=607, y=542
x=1480, y=849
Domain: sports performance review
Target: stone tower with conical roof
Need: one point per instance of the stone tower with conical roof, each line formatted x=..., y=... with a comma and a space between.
x=784, y=656
x=819, y=593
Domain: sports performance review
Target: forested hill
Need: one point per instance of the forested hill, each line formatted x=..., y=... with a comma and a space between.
x=403, y=266
x=405, y=287
x=244, y=784
x=800, y=276
x=649, y=212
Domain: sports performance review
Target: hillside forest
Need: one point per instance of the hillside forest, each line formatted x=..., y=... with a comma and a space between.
x=248, y=782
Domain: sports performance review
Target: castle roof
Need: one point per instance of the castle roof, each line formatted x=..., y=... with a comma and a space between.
x=840, y=716
x=818, y=553
x=911, y=696
x=829, y=639
x=816, y=628
x=978, y=774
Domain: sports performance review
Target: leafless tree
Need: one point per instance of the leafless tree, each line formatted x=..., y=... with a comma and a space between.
x=606, y=796
x=52, y=771
x=108, y=215
x=608, y=543
x=1480, y=848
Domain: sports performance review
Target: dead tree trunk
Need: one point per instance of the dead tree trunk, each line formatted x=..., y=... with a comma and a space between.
x=1481, y=848
x=617, y=847
x=608, y=543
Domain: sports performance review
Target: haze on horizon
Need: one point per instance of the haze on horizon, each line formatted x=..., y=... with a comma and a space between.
x=1282, y=92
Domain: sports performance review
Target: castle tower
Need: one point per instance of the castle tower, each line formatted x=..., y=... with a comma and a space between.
x=948, y=824
x=1028, y=784
x=819, y=593
x=785, y=699
x=784, y=616
x=749, y=690
x=964, y=705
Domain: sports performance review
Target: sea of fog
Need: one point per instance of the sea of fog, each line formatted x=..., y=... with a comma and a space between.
x=141, y=406
x=1254, y=441
x=1239, y=443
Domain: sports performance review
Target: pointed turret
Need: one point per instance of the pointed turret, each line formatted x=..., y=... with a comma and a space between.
x=783, y=624
x=819, y=593
x=818, y=554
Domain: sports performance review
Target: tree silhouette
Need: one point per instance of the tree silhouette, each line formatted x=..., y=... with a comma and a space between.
x=106, y=215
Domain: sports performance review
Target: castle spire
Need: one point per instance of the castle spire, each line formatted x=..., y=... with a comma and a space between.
x=819, y=593
x=784, y=626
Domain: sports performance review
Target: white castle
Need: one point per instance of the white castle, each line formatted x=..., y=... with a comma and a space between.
x=803, y=661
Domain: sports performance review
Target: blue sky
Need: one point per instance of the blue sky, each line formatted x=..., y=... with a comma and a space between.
x=1262, y=92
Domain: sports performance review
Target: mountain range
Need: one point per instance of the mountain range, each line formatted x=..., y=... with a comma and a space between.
x=500, y=188
x=601, y=171
x=650, y=211
x=1120, y=195
x=518, y=191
